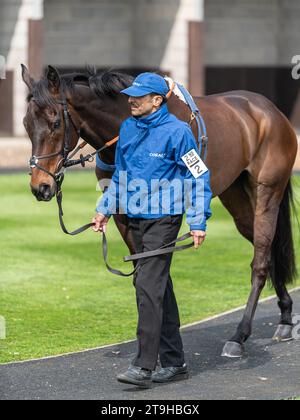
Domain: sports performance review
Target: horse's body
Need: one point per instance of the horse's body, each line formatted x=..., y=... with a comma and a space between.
x=251, y=153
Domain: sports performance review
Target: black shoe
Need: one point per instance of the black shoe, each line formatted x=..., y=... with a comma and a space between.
x=171, y=374
x=136, y=376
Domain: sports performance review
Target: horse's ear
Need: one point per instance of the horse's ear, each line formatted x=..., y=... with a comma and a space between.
x=27, y=79
x=53, y=79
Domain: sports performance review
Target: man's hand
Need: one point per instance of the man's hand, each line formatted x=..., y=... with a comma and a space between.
x=100, y=223
x=199, y=237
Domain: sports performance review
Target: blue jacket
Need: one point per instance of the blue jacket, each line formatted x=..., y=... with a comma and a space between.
x=151, y=180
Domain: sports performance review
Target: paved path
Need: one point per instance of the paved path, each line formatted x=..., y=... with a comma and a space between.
x=270, y=371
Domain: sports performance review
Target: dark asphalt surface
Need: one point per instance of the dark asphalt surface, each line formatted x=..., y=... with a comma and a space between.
x=269, y=371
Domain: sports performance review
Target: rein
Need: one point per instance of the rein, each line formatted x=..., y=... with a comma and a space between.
x=58, y=177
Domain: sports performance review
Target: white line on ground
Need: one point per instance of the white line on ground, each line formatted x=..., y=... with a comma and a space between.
x=203, y=321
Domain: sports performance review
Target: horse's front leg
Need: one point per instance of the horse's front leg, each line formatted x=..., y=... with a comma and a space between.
x=121, y=222
x=266, y=216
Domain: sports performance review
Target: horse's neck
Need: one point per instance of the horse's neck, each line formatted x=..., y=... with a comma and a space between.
x=98, y=128
x=98, y=124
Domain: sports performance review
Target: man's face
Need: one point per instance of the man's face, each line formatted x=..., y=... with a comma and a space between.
x=145, y=105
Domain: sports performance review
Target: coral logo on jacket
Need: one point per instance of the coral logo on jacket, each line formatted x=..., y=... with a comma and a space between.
x=158, y=155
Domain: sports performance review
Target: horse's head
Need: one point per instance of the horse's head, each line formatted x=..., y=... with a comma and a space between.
x=50, y=129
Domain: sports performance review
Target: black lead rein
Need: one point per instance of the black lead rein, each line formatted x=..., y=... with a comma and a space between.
x=165, y=249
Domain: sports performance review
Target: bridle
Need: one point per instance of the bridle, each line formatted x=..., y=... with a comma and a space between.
x=65, y=161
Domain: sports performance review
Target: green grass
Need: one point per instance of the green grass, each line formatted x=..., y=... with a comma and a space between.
x=56, y=294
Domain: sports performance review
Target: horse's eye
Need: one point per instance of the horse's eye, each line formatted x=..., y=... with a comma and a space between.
x=56, y=125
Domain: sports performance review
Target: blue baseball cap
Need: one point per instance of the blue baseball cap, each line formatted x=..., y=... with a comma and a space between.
x=147, y=83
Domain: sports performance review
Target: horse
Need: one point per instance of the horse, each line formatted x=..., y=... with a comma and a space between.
x=251, y=153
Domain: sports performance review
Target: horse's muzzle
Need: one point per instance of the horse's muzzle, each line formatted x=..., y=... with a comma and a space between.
x=44, y=192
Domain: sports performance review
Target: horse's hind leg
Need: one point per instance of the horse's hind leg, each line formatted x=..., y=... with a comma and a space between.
x=284, y=331
x=121, y=222
x=240, y=204
x=268, y=199
x=283, y=266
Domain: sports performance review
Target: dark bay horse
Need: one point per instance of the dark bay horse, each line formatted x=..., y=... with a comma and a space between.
x=251, y=153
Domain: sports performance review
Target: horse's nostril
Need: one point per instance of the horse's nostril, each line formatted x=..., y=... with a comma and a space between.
x=45, y=191
x=44, y=187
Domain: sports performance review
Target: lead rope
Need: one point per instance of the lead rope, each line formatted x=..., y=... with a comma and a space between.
x=165, y=249
x=59, y=198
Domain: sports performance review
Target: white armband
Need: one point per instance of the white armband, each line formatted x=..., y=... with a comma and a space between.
x=194, y=163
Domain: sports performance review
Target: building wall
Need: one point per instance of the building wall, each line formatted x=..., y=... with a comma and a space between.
x=251, y=32
x=14, y=46
x=120, y=33
x=8, y=18
x=160, y=34
x=250, y=45
x=9, y=12
x=87, y=31
x=241, y=32
x=288, y=30
x=107, y=33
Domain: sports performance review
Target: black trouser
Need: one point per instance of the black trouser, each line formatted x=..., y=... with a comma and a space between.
x=159, y=323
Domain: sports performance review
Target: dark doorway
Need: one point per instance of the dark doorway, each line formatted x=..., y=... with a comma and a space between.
x=6, y=105
x=276, y=84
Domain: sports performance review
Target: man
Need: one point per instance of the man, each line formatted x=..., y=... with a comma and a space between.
x=155, y=150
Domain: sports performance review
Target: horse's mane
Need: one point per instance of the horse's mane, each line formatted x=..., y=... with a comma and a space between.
x=107, y=83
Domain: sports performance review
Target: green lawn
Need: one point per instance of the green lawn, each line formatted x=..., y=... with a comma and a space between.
x=56, y=294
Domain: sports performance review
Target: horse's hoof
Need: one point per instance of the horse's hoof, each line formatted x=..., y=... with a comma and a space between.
x=283, y=333
x=233, y=350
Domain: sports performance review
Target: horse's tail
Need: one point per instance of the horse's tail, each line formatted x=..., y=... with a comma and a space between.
x=283, y=263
